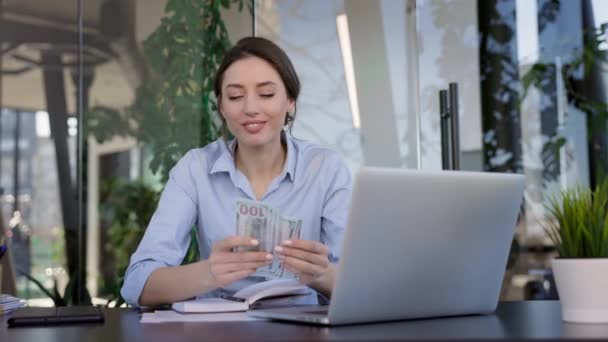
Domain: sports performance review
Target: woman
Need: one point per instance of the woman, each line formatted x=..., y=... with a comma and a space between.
x=257, y=88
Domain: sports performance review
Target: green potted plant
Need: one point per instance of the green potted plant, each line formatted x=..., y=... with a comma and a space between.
x=578, y=226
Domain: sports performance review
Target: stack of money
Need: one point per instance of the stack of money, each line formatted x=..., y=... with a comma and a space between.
x=266, y=224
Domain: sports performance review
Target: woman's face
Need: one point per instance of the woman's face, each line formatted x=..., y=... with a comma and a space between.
x=254, y=102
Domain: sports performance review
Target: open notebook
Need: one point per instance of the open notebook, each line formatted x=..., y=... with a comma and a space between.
x=244, y=298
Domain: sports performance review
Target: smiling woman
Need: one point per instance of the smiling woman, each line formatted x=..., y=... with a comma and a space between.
x=257, y=88
x=256, y=96
x=270, y=71
x=254, y=103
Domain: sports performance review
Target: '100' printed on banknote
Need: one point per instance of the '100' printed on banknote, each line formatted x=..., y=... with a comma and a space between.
x=265, y=224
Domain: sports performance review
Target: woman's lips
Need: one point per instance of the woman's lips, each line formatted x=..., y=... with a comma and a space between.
x=254, y=127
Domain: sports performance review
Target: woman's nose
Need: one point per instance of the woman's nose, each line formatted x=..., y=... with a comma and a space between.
x=251, y=105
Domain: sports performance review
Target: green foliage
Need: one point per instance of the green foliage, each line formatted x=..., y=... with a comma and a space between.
x=577, y=67
x=69, y=292
x=578, y=224
x=174, y=111
x=130, y=206
x=174, y=108
x=53, y=253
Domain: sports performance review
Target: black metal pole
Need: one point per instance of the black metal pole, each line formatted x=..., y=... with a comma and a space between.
x=80, y=145
x=444, y=115
x=16, y=157
x=253, y=23
x=1, y=112
x=21, y=240
x=455, y=129
x=594, y=87
x=1, y=154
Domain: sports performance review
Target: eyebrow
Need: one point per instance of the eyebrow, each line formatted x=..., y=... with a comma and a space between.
x=259, y=85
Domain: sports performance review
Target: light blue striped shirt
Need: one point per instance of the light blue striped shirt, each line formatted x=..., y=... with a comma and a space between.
x=203, y=188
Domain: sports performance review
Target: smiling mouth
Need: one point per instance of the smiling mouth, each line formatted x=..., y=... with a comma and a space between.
x=253, y=124
x=254, y=127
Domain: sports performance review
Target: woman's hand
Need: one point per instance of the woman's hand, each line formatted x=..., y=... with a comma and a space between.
x=227, y=266
x=308, y=259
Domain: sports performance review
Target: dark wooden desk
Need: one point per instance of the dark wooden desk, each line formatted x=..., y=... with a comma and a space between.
x=513, y=320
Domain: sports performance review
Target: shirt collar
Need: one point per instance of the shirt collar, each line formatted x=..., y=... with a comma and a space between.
x=292, y=157
x=225, y=162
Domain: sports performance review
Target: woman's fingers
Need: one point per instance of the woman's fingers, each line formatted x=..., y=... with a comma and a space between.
x=238, y=257
x=308, y=259
x=307, y=245
x=222, y=251
x=314, y=258
x=231, y=242
x=302, y=267
x=304, y=278
x=305, y=250
x=226, y=273
x=226, y=265
x=228, y=278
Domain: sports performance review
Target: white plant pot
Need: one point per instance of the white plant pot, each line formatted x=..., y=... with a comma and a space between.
x=582, y=285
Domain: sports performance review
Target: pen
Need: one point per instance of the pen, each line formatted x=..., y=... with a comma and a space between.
x=234, y=299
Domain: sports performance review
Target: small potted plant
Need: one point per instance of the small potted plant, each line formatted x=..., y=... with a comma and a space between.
x=578, y=226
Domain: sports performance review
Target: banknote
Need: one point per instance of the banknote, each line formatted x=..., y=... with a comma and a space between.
x=288, y=228
x=254, y=219
x=266, y=224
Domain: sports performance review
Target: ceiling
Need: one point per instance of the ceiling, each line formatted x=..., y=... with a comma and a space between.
x=116, y=35
x=55, y=12
x=51, y=25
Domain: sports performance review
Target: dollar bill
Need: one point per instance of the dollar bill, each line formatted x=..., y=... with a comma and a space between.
x=289, y=228
x=265, y=224
x=253, y=219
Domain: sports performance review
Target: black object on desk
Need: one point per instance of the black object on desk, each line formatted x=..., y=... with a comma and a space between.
x=58, y=315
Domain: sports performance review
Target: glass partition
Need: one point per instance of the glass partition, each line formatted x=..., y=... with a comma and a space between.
x=135, y=55
x=372, y=72
x=520, y=76
x=353, y=63
x=38, y=41
x=149, y=103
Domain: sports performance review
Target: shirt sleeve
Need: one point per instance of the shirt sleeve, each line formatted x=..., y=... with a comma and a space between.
x=335, y=206
x=167, y=236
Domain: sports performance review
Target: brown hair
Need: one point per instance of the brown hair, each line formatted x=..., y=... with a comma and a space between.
x=271, y=53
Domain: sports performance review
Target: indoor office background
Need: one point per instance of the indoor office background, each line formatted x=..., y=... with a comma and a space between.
x=371, y=72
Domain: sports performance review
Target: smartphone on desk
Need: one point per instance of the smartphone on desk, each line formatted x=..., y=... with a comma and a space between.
x=28, y=316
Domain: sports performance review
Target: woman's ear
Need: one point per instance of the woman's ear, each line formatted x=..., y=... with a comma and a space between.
x=292, y=106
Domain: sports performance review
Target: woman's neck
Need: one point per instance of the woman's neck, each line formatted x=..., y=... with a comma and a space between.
x=261, y=164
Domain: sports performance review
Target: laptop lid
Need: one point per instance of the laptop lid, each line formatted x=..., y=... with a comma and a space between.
x=424, y=244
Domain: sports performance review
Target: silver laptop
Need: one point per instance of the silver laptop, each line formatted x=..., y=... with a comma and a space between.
x=419, y=244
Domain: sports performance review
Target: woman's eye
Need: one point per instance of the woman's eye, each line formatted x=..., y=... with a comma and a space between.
x=267, y=96
x=232, y=98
